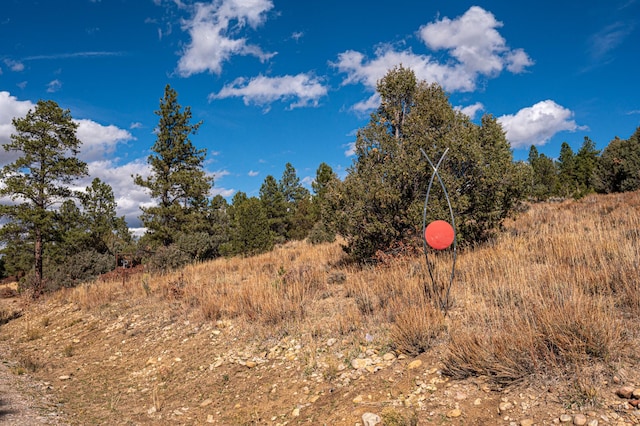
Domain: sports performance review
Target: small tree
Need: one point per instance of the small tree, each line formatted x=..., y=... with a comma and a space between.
x=39, y=179
x=619, y=167
x=177, y=179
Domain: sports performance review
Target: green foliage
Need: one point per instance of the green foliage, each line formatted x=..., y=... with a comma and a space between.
x=619, y=167
x=46, y=143
x=275, y=208
x=177, y=181
x=249, y=231
x=544, y=181
x=379, y=205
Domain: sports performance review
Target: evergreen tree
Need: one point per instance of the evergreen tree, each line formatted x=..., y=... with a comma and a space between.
x=567, y=178
x=250, y=233
x=544, y=175
x=177, y=181
x=275, y=208
x=39, y=178
x=585, y=167
x=379, y=205
x=297, y=200
x=618, y=169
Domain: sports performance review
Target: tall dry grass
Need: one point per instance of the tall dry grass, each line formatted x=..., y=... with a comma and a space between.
x=556, y=292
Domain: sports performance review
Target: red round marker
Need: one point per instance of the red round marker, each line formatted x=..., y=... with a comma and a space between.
x=439, y=234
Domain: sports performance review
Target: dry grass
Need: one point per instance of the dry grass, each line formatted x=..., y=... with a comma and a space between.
x=556, y=292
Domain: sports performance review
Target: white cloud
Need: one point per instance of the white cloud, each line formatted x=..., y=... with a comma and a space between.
x=214, y=29
x=98, y=140
x=15, y=66
x=351, y=149
x=536, y=124
x=253, y=173
x=136, y=125
x=472, y=39
x=10, y=108
x=303, y=89
x=475, y=48
x=129, y=197
x=608, y=39
x=471, y=110
x=223, y=191
x=54, y=86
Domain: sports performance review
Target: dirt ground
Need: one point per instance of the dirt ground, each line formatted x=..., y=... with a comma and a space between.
x=136, y=362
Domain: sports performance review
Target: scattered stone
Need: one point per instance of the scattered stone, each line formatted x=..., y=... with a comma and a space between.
x=593, y=422
x=331, y=342
x=526, y=422
x=414, y=364
x=251, y=364
x=565, y=418
x=359, y=363
x=580, y=419
x=504, y=406
x=64, y=377
x=370, y=419
x=296, y=412
x=636, y=393
x=206, y=402
x=358, y=399
x=210, y=418
x=625, y=392
x=389, y=356
x=454, y=413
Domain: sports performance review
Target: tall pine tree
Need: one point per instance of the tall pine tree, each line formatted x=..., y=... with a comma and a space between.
x=177, y=181
x=40, y=178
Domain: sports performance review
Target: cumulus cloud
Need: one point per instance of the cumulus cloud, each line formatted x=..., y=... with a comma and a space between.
x=474, y=46
x=253, y=173
x=128, y=196
x=214, y=30
x=303, y=89
x=99, y=141
x=10, y=108
x=536, y=124
x=471, y=110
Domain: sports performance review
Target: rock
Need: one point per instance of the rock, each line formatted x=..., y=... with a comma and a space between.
x=64, y=377
x=370, y=419
x=206, y=402
x=414, y=364
x=526, y=422
x=389, y=356
x=454, y=413
x=210, y=418
x=625, y=392
x=636, y=393
x=580, y=419
x=359, y=363
x=565, y=418
x=295, y=412
x=331, y=342
x=592, y=422
x=634, y=402
x=504, y=406
x=358, y=399
x=251, y=364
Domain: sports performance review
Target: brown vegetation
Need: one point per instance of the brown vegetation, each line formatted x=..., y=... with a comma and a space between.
x=551, y=304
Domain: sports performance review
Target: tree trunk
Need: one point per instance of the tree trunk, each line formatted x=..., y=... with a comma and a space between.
x=37, y=285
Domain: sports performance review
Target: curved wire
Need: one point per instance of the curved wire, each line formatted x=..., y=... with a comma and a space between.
x=442, y=302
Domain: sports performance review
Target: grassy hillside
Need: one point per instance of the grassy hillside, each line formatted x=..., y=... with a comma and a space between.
x=542, y=327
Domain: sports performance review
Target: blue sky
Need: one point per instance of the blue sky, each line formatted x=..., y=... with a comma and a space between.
x=292, y=81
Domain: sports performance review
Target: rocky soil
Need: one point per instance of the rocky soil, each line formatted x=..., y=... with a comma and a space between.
x=135, y=362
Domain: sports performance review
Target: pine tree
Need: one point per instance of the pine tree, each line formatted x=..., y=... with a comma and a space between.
x=40, y=177
x=177, y=181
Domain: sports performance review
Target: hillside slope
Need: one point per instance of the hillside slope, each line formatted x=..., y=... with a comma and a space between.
x=297, y=336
